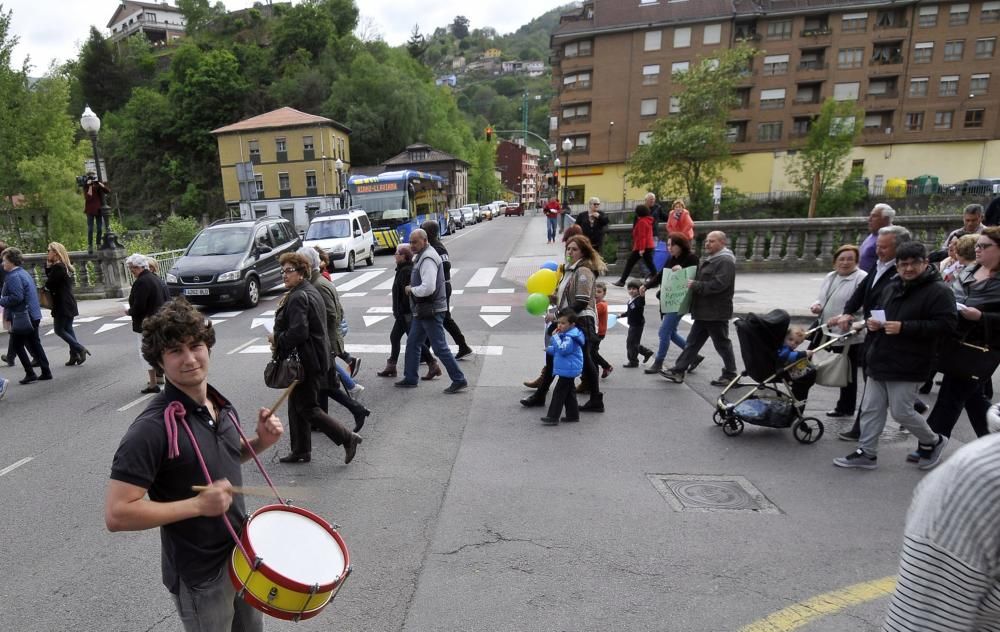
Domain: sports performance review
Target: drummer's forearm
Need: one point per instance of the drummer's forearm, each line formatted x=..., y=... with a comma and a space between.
x=144, y=514
x=258, y=445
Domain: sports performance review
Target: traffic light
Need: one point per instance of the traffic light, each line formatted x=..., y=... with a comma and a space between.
x=489, y=134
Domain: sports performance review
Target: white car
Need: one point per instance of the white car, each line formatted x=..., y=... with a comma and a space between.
x=345, y=235
x=468, y=215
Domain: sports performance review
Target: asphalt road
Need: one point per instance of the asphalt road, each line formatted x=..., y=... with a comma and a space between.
x=463, y=512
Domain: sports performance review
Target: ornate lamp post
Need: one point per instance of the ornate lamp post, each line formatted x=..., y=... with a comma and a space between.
x=92, y=124
x=567, y=145
x=339, y=166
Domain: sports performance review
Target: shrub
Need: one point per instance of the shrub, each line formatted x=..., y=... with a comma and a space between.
x=177, y=232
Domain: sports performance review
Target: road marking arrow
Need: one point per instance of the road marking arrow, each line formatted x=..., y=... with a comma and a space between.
x=371, y=320
x=109, y=327
x=492, y=319
x=266, y=322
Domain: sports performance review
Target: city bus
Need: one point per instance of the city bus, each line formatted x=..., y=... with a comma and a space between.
x=399, y=201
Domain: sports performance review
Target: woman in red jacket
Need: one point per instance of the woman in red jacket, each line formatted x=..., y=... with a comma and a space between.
x=679, y=220
x=642, y=243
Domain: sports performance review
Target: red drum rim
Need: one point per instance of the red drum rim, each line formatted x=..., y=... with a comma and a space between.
x=277, y=577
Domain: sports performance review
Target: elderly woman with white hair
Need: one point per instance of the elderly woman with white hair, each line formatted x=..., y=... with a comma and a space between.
x=594, y=223
x=145, y=299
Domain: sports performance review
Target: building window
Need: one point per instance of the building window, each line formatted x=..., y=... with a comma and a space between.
x=979, y=85
x=307, y=143
x=284, y=182
x=887, y=54
x=923, y=52
x=579, y=142
x=576, y=112
x=942, y=119
x=918, y=86
x=280, y=144
x=808, y=93
x=882, y=87
x=816, y=25
x=974, y=118
x=854, y=22
x=679, y=66
x=850, y=57
x=651, y=74
x=254, y=149
x=736, y=131
x=779, y=30
x=675, y=105
x=913, y=121
x=578, y=49
x=258, y=180
x=801, y=126
x=842, y=125
x=311, y=183
x=953, y=50
x=653, y=40
x=647, y=107
x=712, y=34
x=772, y=99
x=927, y=17
x=743, y=98
x=813, y=59
x=577, y=80
x=776, y=65
x=682, y=37
x=846, y=91
x=767, y=132
x=986, y=47
x=948, y=87
x=958, y=14
x=989, y=13
x=645, y=138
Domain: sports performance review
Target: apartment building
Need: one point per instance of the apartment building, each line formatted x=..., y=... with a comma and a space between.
x=925, y=74
x=518, y=167
x=287, y=162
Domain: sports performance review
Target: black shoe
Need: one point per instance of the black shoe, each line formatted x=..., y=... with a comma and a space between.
x=351, y=447
x=631, y=365
x=850, y=435
x=593, y=407
x=6, y=360
x=296, y=458
x=456, y=387
x=532, y=401
x=722, y=380
x=463, y=352
x=30, y=378
x=646, y=356
x=838, y=413
x=618, y=283
x=359, y=419
x=46, y=375
x=405, y=384
x=355, y=365
x=152, y=388
x=568, y=420
x=81, y=355
x=920, y=407
x=34, y=364
x=694, y=363
x=73, y=358
x=675, y=376
x=550, y=421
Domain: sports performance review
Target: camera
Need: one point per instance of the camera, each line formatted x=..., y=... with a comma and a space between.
x=83, y=181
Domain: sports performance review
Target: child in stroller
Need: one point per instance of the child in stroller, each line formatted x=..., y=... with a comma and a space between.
x=780, y=379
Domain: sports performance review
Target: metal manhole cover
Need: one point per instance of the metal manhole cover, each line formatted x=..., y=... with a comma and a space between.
x=708, y=493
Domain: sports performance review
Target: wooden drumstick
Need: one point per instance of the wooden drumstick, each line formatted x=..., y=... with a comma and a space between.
x=302, y=493
x=284, y=395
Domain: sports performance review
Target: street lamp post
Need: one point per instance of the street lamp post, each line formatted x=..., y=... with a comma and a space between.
x=567, y=145
x=339, y=166
x=92, y=124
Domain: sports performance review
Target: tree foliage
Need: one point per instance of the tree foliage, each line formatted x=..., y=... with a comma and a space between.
x=417, y=44
x=828, y=144
x=460, y=27
x=688, y=150
x=483, y=183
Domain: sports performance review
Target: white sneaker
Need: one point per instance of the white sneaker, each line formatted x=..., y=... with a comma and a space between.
x=357, y=389
x=3, y=387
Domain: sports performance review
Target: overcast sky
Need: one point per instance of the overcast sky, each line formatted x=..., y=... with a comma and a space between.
x=55, y=29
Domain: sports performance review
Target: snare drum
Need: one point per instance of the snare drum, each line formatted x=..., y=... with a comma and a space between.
x=299, y=562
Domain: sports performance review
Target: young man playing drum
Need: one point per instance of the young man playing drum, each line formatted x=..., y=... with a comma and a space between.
x=156, y=457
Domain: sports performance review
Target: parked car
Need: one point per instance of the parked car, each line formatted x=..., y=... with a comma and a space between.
x=468, y=216
x=231, y=261
x=975, y=186
x=486, y=212
x=514, y=208
x=456, y=221
x=478, y=212
x=345, y=235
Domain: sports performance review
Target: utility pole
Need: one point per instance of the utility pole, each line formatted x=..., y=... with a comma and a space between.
x=524, y=111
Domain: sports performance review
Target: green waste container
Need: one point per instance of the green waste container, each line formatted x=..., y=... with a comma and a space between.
x=925, y=185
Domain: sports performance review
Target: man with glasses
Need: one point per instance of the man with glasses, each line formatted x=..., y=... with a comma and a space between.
x=912, y=315
x=429, y=303
x=594, y=223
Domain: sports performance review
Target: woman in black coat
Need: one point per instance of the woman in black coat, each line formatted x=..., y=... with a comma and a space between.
x=401, y=313
x=300, y=327
x=59, y=284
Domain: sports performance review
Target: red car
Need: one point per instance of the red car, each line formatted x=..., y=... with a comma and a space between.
x=513, y=208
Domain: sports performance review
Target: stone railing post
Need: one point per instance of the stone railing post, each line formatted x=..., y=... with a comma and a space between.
x=112, y=270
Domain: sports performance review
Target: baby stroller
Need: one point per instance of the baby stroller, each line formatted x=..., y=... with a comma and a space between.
x=770, y=402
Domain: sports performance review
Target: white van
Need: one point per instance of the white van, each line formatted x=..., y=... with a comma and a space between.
x=345, y=235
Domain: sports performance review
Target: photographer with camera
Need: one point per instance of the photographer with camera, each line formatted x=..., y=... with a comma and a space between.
x=93, y=196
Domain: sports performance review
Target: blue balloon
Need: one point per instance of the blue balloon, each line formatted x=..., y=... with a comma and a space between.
x=550, y=265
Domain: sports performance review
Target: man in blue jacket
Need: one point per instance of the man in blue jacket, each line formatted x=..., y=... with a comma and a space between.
x=20, y=295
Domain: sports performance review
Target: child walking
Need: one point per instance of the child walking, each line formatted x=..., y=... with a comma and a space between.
x=566, y=349
x=636, y=323
x=600, y=289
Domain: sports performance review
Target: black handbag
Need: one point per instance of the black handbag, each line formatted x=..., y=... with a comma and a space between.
x=20, y=323
x=281, y=372
x=968, y=361
x=423, y=309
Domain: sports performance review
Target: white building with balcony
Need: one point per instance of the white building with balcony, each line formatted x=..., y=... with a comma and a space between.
x=161, y=23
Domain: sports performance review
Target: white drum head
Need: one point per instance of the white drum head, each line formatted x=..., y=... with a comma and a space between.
x=296, y=547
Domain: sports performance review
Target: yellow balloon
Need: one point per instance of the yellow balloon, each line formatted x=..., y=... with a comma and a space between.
x=543, y=282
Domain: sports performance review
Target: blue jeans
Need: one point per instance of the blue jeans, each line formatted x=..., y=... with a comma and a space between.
x=668, y=333
x=91, y=220
x=551, y=228
x=429, y=329
x=63, y=327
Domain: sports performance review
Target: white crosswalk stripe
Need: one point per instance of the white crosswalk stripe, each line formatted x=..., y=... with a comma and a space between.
x=483, y=277
x=487, y=350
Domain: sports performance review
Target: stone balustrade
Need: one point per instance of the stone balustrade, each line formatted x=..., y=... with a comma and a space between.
x=794, y=245
x=98, y=275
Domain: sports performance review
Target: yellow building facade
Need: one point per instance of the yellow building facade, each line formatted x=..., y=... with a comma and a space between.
x=294, y=158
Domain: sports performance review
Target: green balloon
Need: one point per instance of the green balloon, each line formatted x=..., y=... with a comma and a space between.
x=537, y=304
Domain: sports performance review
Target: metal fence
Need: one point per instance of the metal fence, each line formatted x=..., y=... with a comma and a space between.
x=164, y=261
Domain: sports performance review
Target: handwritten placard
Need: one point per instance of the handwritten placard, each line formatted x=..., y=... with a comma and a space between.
x=674, y=293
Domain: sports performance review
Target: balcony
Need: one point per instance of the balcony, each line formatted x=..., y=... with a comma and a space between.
x=285, y=193
x=311, y=191
x=818, y=31
x=807, y=65
x=888, y=94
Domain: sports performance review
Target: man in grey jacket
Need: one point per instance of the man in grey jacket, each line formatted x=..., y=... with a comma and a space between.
x=429, y=303
x=711, y=308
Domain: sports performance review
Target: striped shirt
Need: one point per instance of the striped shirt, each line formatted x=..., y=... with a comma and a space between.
x=949, y=572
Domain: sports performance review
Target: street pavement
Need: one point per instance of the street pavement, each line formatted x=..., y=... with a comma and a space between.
x=464, y=512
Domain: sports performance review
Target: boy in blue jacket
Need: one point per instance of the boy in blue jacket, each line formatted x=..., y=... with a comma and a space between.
x=566, y=349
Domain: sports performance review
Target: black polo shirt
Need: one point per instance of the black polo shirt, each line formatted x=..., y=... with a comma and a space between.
x=193, y=549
